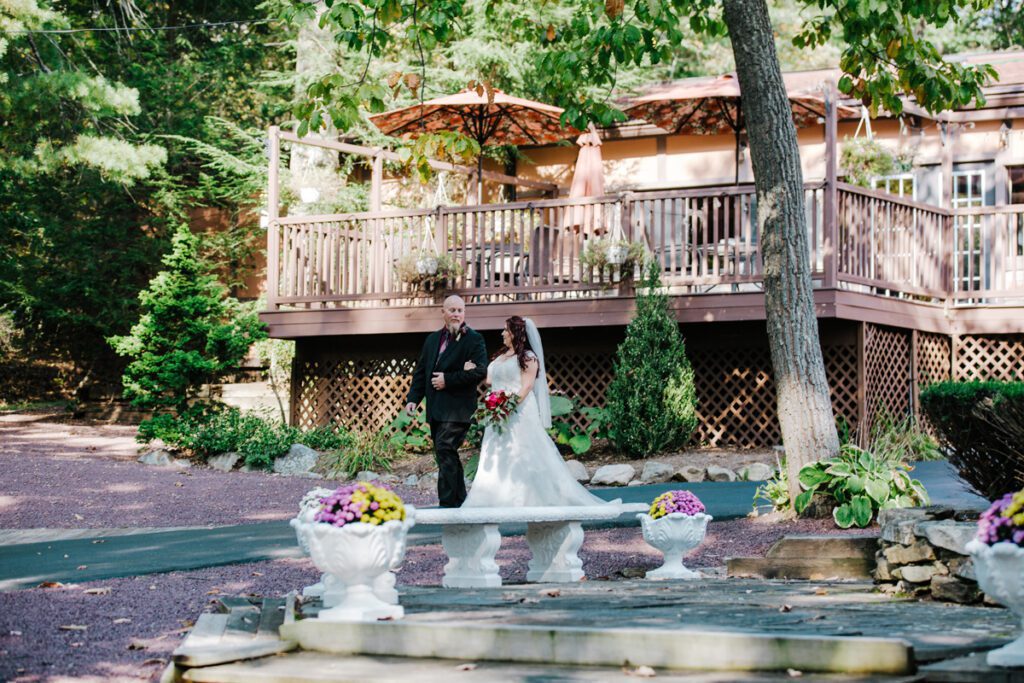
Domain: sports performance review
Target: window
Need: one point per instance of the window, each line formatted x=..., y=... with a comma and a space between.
x=968, y=192
x=1016, y=174
x=901, y=185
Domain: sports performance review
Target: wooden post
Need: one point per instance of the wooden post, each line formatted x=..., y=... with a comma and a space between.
x=830, y=210
x=863, y=428
x=915, y=388
x=378, y=269
x=948, y=137
x=273, y=214
x=376, y=181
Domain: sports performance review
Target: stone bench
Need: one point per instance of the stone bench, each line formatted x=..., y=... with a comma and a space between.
x=471, y=539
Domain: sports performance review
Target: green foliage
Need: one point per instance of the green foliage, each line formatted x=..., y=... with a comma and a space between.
x=565, y=432
x=414, y=269
x=596, y=256
x=581, y=50
x=188, y=334
x=864, y=159
x=372, y=451
x=411, y=432
x=9, y=336
x=981, y=425
x=651, y=400
x=860, y=484
x=93, y=179
x=210, y=432
x=776, y=489
x=903, y=439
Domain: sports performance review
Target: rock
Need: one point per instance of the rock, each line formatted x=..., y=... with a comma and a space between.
x=613, y=475
x=919, y=551
x=428, y=482
x=635, y=482
x=948, y=534
x=890, y=515
x=389, y=478
x=882, y=572
x=225, y=462
x=952, y=589
x=578, y=470
x=656, y=473
x=160, y=458
x=299, y=461
x=689, y=473
x=718, y=473
x=901, y=532
x=919, y=573
x=757, y=471
x=367, y=475
x=411, y=480
x=962, y=568
x=820, y=507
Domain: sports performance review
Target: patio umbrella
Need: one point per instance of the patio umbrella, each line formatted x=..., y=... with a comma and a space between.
x=498, y=119
x=587, y=180
x=713, y=107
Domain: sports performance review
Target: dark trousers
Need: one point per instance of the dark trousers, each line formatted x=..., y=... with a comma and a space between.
x=451, y=483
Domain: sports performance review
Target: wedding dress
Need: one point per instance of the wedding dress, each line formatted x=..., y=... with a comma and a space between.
x=521, y=466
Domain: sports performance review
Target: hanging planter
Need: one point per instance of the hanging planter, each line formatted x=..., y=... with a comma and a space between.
x=617, y=253
x=427, y=272
x=426, y=265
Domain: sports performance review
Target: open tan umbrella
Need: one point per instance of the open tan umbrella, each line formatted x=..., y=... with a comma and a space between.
x=489, y=118
x=587, y=181
x=713, y=106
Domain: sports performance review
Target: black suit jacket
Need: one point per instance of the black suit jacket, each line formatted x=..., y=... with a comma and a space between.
x=457, y=401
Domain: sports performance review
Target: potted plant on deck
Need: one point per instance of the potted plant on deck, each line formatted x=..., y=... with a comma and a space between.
x=998, y=554
x=428, y=273
x=675, y=525
x=605, y=255
x=357, y=534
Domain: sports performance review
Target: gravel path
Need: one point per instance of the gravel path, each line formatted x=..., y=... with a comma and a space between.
x=62, y=476
x=160, y=607
x=75, y=476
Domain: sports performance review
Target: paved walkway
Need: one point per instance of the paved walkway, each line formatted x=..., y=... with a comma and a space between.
x=28, y=557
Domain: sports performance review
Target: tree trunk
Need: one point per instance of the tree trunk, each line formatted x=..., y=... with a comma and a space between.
x=802, y=393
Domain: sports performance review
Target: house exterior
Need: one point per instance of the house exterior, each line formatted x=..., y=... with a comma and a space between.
x=918, y=279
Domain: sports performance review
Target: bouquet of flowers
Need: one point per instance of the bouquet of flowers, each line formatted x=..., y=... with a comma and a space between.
x=360, y=502
x=676, y=501
x=1003, y=521
x=496, y=408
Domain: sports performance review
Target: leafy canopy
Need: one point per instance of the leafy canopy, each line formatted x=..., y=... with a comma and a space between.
x=583, y=46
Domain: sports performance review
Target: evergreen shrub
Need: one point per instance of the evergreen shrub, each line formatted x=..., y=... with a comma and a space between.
x=190, y=333
x=981, y=425
x=651, y=401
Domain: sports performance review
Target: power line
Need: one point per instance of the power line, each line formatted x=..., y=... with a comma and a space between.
x=143, y=28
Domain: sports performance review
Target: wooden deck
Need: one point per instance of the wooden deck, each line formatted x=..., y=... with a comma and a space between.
x=874, y=258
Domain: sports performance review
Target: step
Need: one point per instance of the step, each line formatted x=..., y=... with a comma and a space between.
x=817, y=569
x=317, y=667
x=246, y=389
x=813, y=547
x=970, y=669
x=675, y=649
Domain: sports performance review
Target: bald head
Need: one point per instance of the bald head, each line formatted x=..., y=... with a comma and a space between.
x=453, y=311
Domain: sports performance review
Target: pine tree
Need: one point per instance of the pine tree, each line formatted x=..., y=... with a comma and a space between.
x=190, y=332
x=651, y=401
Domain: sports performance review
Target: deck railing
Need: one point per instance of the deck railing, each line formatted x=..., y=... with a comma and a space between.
x=705, y=239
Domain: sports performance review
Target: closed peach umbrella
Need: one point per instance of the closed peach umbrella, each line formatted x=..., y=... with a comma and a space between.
x=587, y=181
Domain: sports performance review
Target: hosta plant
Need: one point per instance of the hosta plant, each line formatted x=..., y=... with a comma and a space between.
x=860, y=485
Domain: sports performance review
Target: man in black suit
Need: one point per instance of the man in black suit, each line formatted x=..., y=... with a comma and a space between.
x=451, y=394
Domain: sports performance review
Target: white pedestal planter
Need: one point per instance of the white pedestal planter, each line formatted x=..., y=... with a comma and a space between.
x=1000, y=571
x=674, y=535
x=364, y=554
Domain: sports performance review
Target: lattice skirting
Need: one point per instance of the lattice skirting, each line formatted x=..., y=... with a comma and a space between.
x=735, y=388
x=996, y=357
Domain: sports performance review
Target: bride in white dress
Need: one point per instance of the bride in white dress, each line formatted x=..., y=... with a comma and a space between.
x=521, y=466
